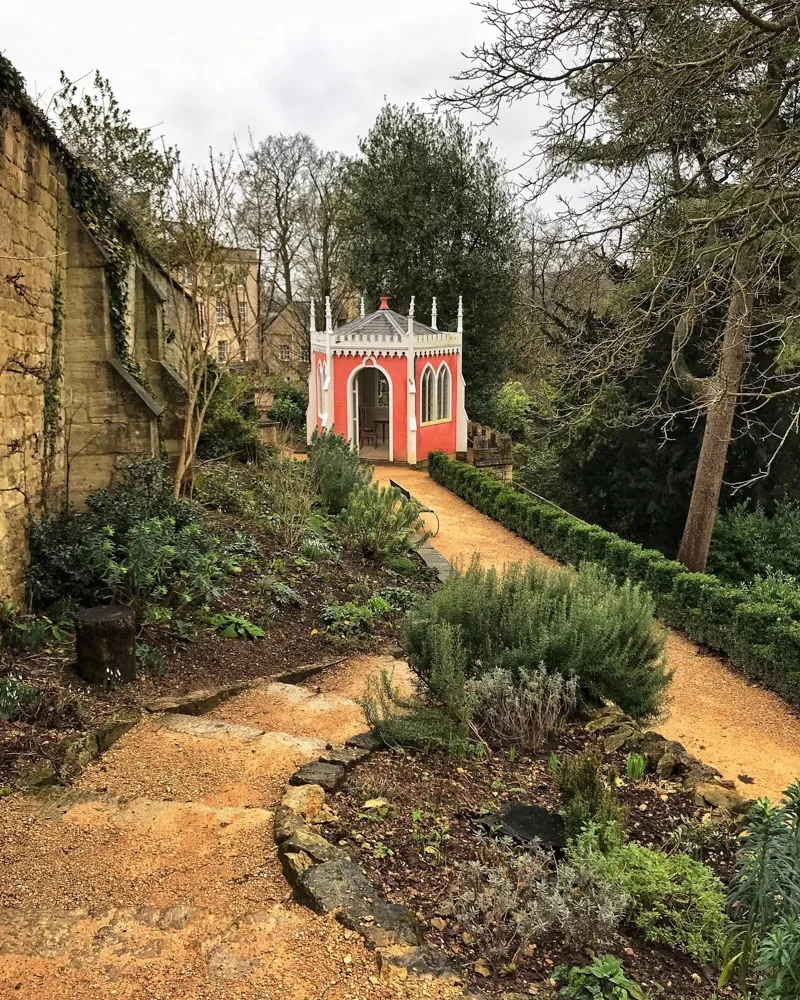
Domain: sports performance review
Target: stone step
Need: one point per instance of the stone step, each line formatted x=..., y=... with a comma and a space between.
x=196, y=759
x=294, y=709
x=103, y=851
x=202, y=726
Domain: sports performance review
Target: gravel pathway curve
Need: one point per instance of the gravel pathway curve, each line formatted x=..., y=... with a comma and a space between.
x=156, y=877
x=743, y=730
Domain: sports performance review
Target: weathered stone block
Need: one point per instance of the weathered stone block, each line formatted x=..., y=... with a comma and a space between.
x=327, y=776
x=341, y=887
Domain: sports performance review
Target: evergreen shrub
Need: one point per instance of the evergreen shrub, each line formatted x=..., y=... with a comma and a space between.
x=761, y=638
x=335, y=470
x=135, y=543
x=379, y=522
x=580, y=625
x=749, y=543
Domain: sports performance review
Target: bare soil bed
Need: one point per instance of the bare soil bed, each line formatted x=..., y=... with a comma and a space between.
x=294, y=638
x=453, y=795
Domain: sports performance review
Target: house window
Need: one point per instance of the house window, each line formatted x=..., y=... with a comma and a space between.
x=443, y=393
x=222, y=350
x=220, y=313
x=305, y=352
x=242, y=312
x=201, y=316
x=383, y=390
x=285, y=353
x=427, y=397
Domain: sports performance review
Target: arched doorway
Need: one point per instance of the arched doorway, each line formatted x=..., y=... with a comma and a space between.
x=370, y=413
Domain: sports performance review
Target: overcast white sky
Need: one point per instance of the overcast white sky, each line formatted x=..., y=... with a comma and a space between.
x=207, y=71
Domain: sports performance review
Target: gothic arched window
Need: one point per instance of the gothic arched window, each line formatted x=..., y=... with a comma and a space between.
x=427, y=400
x=443, y=393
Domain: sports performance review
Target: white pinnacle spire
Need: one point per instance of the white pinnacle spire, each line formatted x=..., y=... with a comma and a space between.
x=362, y=307
x=328, y=317
x=433, y=315
x=312, y=319
x=460, y=315
x=411, y=317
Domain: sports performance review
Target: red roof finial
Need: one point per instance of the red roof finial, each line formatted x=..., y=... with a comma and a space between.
x=384, y=301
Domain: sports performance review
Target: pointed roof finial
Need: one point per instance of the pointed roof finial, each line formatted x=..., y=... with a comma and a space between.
x=312, y=317
x=328, y=317
x=362, y=307
x=433, y=315
x=460, y=328
x=411, y=316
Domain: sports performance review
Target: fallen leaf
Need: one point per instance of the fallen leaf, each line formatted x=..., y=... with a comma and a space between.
x=439, y=923
x=482, y=968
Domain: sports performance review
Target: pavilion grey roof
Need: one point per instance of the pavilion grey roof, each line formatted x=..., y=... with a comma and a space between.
x=381, y=323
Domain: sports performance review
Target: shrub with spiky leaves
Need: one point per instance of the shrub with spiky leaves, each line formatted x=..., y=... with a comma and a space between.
x=764, y=897
x=335, y=469
x=381, y=524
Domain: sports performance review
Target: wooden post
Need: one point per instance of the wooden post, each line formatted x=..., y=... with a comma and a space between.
x=105, y=644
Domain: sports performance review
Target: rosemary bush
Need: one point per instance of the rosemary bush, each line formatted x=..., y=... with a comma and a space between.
x=581, y=624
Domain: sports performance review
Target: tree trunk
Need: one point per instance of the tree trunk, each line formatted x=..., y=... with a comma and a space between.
x=105, y=644
x=710, y=471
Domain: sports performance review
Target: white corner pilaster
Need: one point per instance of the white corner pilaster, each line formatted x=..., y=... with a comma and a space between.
x=461, y=412
x=329, y=420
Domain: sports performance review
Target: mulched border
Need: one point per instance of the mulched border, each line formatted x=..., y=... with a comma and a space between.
x=326, y=879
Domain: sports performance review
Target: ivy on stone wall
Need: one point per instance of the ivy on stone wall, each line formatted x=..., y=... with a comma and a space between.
x=52, y=385
x=101, y=214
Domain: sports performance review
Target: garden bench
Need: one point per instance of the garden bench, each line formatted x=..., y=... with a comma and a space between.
x=421, y=508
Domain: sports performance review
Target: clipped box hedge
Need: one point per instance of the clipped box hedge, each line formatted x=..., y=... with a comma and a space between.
x=760, y=639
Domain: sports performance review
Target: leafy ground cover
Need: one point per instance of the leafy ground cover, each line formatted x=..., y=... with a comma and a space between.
x=253, y=576
x=416, y=819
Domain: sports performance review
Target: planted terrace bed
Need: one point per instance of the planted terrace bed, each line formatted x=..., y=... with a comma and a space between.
x=171, y=666
x=411, y=819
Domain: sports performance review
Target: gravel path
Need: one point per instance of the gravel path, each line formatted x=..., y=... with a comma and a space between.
x=155, y=877
x=739, y=728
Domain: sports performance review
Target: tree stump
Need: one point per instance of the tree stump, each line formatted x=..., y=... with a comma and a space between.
x=105, y=644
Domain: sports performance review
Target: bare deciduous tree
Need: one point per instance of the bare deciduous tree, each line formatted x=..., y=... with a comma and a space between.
x=196, y=245
x=680, y=120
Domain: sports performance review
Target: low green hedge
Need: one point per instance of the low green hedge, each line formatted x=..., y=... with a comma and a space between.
x=762, y=640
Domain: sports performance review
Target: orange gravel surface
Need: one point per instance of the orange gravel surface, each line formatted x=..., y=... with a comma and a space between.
x=741, y=729
x=156, y=877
